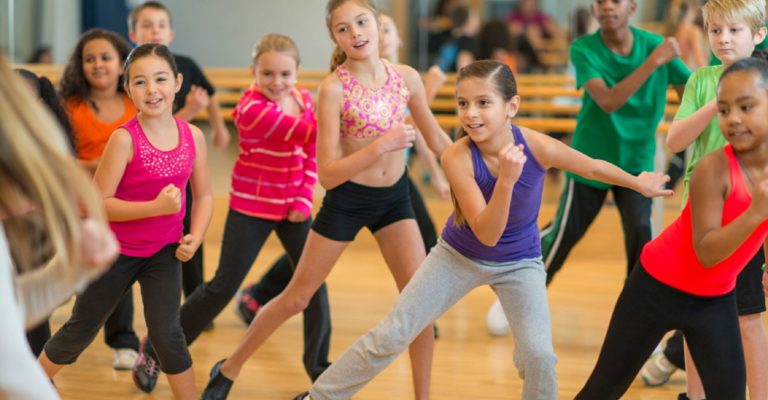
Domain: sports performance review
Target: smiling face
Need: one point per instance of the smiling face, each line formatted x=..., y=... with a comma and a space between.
x=102, y=66
x=732, y=41
x=742, y=104
x=483, y=113
x=275, y=74
x=355, y=30
x=613, y=15
x=152, y=86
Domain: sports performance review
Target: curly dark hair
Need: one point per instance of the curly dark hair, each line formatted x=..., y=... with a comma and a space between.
x=73, y=83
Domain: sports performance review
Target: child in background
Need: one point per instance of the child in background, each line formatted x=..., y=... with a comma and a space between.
x=150, y=22
x=360, y=142
x=625, y=72
x=734, y=27
x=92, y=90
x=97, y=105
x=497, y=176
x=145, y=165
x=681, y=23
x=273, y=184
x=686, y=277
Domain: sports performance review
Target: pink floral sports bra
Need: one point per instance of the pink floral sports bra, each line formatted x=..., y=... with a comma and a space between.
x=372, y=112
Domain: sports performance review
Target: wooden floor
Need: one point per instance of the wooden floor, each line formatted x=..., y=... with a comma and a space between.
x=468, y=363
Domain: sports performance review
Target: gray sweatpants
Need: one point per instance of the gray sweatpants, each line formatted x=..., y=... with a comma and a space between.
x=443, y=279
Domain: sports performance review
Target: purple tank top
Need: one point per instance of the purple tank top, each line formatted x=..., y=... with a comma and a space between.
x=520, y=239
x=148, y=172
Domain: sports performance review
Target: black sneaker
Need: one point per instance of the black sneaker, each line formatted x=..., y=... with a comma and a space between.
x=246, y=306
x=682, y=396
x=218, y=386
x=302, y=396
x=146, y=370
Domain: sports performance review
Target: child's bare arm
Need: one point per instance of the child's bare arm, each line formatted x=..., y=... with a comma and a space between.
x=436, y=138
x=553, y=153
x=684, y=131
x=710, y=185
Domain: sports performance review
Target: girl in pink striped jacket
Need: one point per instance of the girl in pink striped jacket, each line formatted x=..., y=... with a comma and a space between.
x=273, y=182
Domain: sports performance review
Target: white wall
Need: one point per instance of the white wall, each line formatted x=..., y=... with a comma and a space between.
x=223, y=33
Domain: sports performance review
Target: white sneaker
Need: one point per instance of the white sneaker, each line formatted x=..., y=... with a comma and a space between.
x=124, y=359
x=496, y=321
x=657, y=370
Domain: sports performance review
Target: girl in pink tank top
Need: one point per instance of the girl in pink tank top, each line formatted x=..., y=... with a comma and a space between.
x=687, y=275
x=142, y=175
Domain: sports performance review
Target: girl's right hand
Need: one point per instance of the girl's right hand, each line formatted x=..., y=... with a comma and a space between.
x=98, y=246
x=401, y=136
x=511, y=162
x=168, y=201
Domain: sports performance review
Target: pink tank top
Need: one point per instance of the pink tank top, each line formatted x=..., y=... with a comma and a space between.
x=148, y=172
x=372, y=112
x=671, y=257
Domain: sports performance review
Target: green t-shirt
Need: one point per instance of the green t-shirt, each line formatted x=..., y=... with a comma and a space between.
x=701, y=89
x=625, y=137
x=762, y=46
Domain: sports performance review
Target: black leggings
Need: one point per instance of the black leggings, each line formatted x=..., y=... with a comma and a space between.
x=159, y=277
x=644, y=312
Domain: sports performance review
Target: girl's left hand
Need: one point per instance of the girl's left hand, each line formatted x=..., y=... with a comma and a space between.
x=187, y=247
x=653, y=184
x=296, y=216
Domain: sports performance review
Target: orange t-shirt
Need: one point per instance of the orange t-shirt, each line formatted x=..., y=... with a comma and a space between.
x=91, y=133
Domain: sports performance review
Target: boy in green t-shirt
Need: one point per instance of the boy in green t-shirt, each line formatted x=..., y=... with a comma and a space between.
x=625, y=72
x=734, y=28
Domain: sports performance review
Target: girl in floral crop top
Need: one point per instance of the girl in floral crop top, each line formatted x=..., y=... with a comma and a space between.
x=364, y=175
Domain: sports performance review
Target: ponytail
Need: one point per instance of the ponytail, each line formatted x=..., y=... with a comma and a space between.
x=337, y=58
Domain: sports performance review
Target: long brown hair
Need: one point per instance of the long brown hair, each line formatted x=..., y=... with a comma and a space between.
x=38, y=173
x=504, y=81
x=338, y=57
x=73, y=83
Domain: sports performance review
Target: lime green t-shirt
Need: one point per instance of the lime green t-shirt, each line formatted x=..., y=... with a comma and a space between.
x=701, y=89
x=625, y=137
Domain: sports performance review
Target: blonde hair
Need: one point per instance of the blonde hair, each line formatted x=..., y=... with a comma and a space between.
x=751, y=12
x=276, y=42
x=338, y=57
x=38, y=173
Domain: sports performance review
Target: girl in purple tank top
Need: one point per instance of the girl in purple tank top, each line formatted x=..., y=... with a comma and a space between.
x=496, y=174
x=144, y=168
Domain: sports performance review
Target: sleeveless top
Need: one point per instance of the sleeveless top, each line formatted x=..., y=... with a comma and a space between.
x=372, y=112
x=520, y=239
x=146, y=174
x=671, y=257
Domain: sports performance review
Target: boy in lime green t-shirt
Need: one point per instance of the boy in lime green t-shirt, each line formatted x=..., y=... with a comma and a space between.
x=625, y=72
x=734, y=29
